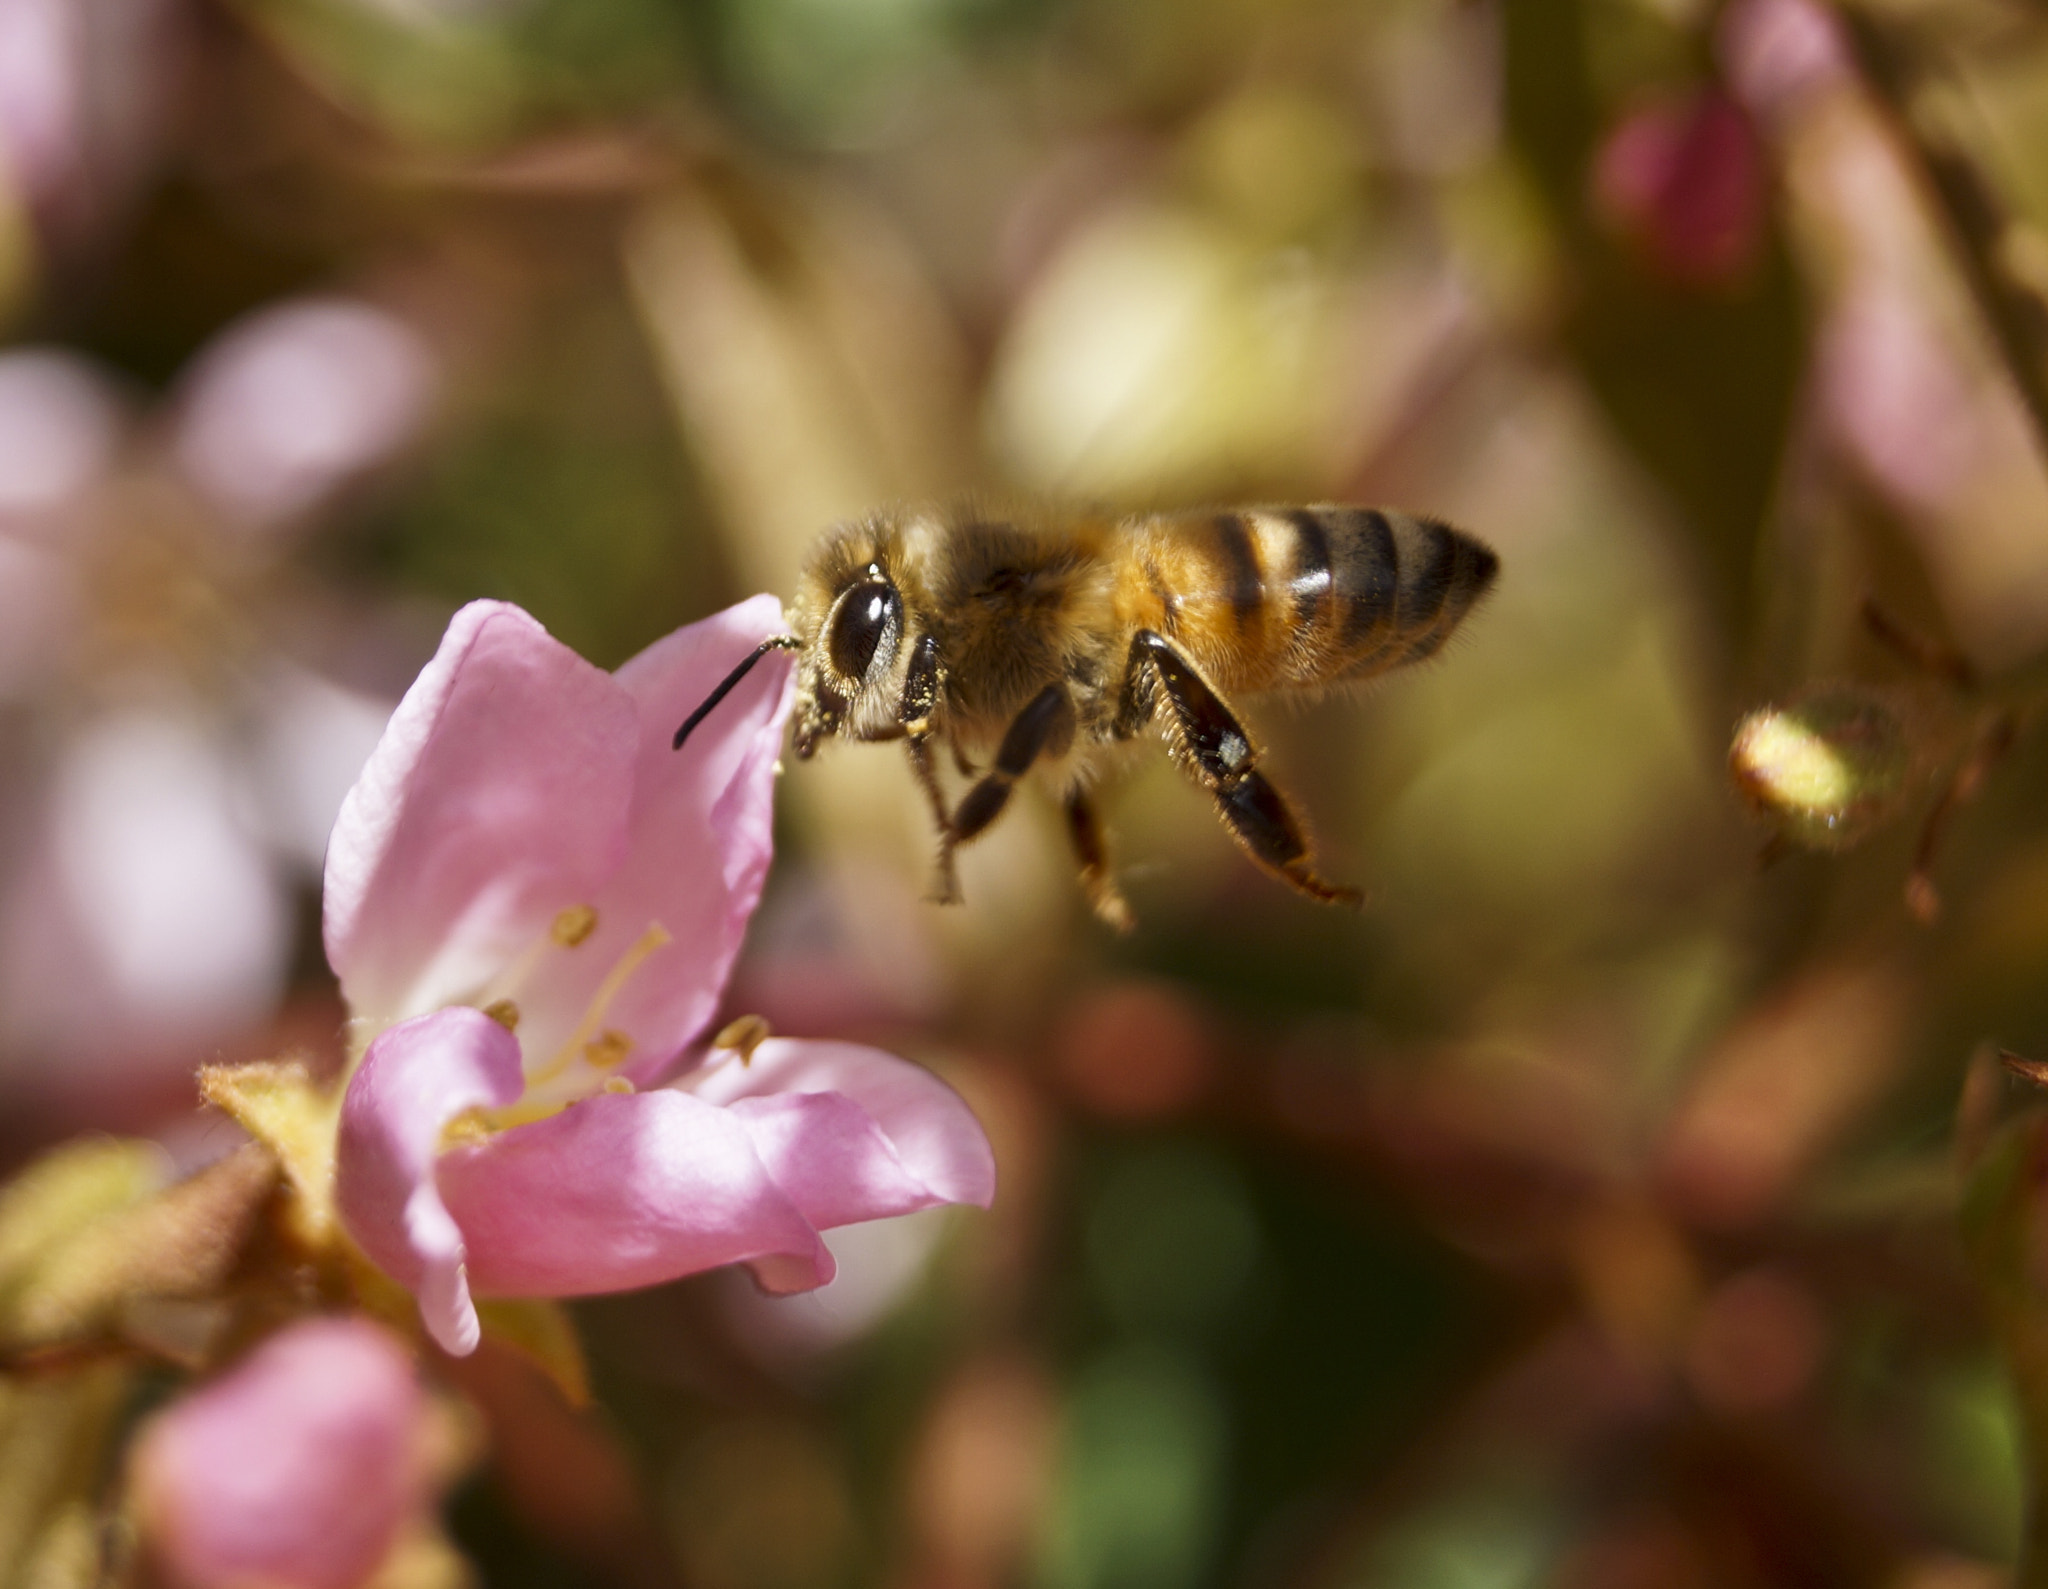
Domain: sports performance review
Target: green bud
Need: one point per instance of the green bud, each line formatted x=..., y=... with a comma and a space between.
x=1829, y=769
x=48, y=1203
x=181, y=1244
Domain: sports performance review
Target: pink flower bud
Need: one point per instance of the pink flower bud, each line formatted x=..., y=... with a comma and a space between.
x=1683, y=184
x=299, y=1468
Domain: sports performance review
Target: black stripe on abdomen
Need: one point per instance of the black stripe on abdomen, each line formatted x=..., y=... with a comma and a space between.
x=1472, y=567
x=1311, y=581
x=1241, y=558
x=1368, y=574
x=1426, y=577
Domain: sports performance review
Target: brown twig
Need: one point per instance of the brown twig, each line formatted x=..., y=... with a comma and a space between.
x=1990, y=247
x=2033, y=1070
x=63, y=1357
x=1929, y=656
x=1923, y=899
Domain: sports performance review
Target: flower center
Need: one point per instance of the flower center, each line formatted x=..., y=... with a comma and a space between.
x=586, y=1059
x=601, y=1049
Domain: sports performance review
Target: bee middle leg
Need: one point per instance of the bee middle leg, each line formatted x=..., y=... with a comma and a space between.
x=1045, y=726
x=1084, y=828
x=1218, y=753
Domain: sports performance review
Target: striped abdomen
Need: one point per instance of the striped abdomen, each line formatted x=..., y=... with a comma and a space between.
x=1265, y=598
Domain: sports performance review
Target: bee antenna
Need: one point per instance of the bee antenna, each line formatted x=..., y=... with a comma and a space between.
x=777, y=642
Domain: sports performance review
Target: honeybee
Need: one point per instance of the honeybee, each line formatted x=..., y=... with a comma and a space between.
x=1040, y=645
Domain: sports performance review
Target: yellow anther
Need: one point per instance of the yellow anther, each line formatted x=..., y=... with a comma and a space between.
x=743, y=1036
x=523, y=1113
x=618, y=1084
x=608, y=1048
x=466, y=1130
x=593, y=1015
x=504, y=1012
x=573, y=925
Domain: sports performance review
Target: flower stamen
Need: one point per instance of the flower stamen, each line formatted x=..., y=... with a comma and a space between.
x=743, y=1036
x=466, y=1130
x=614, y=982
x=571, y=926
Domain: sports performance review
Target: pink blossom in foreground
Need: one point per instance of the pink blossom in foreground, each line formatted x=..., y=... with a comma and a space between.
x=525, y=842
x=298, y=1469
x=1684, y=183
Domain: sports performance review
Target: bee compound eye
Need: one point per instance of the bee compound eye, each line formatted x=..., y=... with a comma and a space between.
x=868, y=622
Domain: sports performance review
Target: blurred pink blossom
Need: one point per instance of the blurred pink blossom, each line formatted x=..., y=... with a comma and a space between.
x=524, y=842
x=83, y=87
x=1778, y=53
x=145, y=910
x=148, y=921
x=1894, y=392
x=1684, y=183
x=298, y=1469
x=290, y=404
x=60, y=425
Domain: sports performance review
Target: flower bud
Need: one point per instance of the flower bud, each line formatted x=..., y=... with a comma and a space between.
x=299, y=1468
x=1684, y=185
x=1829, y=768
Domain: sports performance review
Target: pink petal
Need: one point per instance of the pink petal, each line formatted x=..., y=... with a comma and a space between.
x=498, y=795
x=700, y=842
x=621, y=1191
x=296, y=1469
x=415, y=1079
x=852, y=1133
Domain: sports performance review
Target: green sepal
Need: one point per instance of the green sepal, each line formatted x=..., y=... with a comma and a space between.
x=540, y=1329
x=67, y=1189
x=184, y=1243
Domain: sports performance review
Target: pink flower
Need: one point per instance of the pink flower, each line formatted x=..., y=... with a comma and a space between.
x=1684, y=183
x=298, y=1469
x=533, y=903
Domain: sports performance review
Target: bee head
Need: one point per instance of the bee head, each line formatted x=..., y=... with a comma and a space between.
x=849, y=663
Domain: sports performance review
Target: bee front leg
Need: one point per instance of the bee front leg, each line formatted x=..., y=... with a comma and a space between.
x=1044, y=727
x=946, y=891
x=1217, y=751
x=916, y=717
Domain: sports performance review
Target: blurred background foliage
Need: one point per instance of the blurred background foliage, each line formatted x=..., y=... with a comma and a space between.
x=1584, y=1213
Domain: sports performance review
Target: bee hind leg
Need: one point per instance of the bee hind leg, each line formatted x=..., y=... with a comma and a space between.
x=1084, y=828
x=1215, y=749
x=1258, y=817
